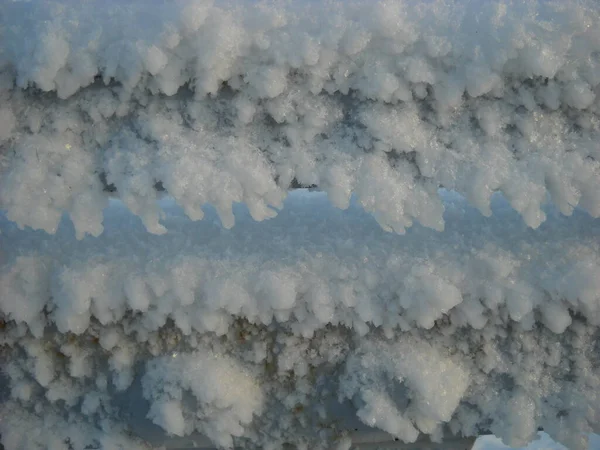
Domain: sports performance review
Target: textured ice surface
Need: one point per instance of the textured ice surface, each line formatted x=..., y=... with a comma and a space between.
x=305, y=326
x=157, y=325
x=233, y=102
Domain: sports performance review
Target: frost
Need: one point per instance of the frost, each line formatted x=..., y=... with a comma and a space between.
x=219, y=105
x=140, y=297
x=226, y=395
x=426, y=386
x=215, y=334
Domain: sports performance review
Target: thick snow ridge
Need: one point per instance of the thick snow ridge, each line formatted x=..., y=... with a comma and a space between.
x=225, y=102
x=302, y=328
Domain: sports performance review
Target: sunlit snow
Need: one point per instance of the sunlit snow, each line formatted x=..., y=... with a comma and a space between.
x=164, y=282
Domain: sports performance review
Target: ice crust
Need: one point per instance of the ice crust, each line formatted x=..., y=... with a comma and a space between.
x=471, y=127
x=303, y=327
x=234, y=102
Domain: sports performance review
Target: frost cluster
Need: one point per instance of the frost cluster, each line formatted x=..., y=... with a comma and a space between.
x=471, y=127
x=218, y=103
x=302, y=328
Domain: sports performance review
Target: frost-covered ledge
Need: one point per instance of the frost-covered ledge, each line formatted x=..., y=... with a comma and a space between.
x=483, y=317
x=302, y=328
x=223, y=103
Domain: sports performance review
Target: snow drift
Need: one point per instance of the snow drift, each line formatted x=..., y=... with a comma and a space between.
x=483, y=317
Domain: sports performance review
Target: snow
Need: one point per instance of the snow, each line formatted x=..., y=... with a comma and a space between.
x=162, y=284
x=249, y=334
x=223, y=103
x=227, y=397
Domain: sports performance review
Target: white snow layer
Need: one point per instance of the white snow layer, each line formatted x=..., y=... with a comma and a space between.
x=303, y=327
x=317, y=321
x=223, y=103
